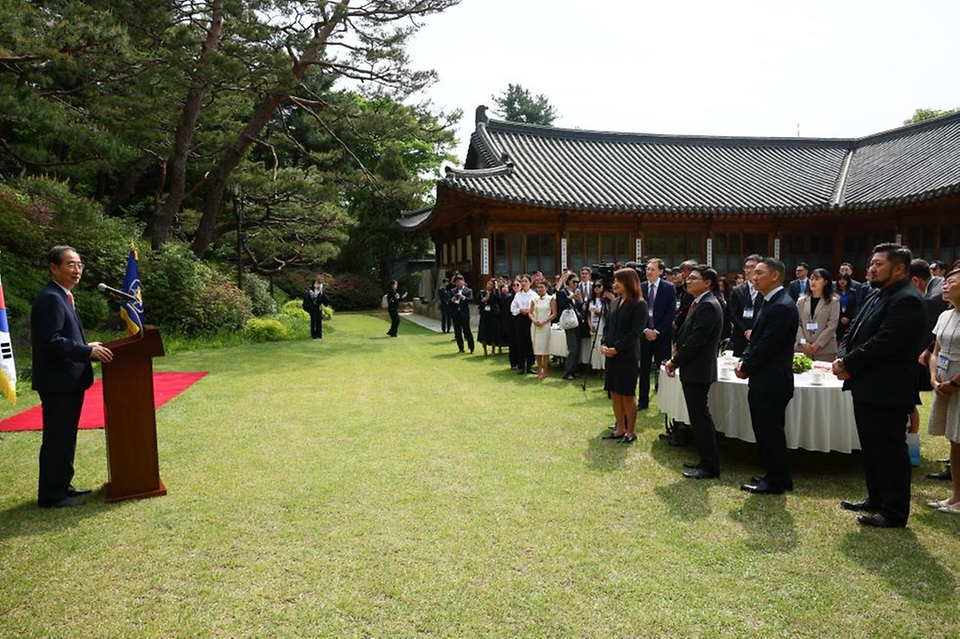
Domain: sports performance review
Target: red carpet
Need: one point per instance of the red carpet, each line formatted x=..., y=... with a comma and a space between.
x=166, y=386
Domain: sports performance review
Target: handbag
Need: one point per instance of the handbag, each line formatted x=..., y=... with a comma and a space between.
x=569, y=319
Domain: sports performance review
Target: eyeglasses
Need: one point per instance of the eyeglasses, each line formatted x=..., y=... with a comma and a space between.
x=74, y=265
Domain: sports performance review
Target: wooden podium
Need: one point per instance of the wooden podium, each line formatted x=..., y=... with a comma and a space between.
x=133, y=470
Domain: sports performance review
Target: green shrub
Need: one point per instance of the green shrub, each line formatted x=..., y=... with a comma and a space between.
x=353, y=292
x=261, y=329
x=257, y=288
x=294, y=308
x=189, y=297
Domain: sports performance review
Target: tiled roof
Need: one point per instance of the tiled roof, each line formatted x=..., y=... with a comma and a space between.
x=617, y=172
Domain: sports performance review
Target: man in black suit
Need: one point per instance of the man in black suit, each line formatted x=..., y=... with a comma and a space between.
x=684, y=299
x=744, y=302
x=801, y=285
x=61, y=373
x=768, y=364
x=877, y=363
x=443, y=297
x=460, y=299
x=696, y=357
x=661, y=297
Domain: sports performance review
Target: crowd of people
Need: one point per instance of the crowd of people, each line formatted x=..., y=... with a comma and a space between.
x=886, y=338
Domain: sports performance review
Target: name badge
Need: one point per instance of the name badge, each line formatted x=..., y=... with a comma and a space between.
x=811, y=326
x=943, y=363
x=487, y=307
x=748, y=312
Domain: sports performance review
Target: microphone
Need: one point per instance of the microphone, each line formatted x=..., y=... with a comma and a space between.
x=103, y=288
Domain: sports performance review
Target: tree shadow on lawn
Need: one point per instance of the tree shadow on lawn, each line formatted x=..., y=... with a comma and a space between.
x=26, y=519
x=898, y=557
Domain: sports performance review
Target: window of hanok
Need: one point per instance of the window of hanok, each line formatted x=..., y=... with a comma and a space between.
x=814, y=249
x=587, y=249
x=541, y=253
x=673, y=248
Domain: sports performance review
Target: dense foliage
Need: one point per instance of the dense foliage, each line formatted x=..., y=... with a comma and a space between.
x=517, y=104
x=270, y=131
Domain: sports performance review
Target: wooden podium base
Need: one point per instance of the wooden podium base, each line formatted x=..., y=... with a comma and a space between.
x=159, y=492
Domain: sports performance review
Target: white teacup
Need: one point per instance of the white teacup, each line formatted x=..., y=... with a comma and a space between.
x=817, y=376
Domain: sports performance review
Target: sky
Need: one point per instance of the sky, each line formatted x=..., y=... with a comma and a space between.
x=837, y=69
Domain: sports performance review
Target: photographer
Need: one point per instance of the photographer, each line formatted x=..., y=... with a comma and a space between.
x=460, y=310
x=393, y=307
x=621, y=347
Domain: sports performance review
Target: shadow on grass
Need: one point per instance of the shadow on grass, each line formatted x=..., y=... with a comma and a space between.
x=768, y=524
x=27, y=519
x=897, y=557
x=606, y=455
x=686, y=499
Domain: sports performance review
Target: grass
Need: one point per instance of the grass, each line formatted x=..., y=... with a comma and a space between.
x=364, y=486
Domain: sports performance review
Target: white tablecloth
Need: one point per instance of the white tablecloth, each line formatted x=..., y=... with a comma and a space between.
x=818, y=417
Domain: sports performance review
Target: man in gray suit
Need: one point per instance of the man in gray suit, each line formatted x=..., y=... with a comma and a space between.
x=696, y=357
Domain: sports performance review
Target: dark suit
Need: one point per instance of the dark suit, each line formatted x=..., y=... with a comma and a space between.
x=742, y=311
x=880, y=352
x=623, y=331
x=768, y=360
x=696, y=357
x=312, y=304
x=443, y=296
x=796, y=289
x=61, y=373
x=393, y=308
x=660, y=318
x=460, y=315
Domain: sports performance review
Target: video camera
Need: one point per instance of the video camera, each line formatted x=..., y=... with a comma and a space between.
x=603, y=273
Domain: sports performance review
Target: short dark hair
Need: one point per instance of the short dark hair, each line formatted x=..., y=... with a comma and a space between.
x=458, y=277
x=658, y=262
x=55, y=255
x=774, y=265
x=707, y=274
x=753, y=257
x=804, y=265
x=896, y=253
x=824, y=274
x=919, y=268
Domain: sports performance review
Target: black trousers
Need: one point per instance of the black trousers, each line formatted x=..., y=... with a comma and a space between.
x=521, y=331
x=696, y=395
x=768, y=412
x=886, y=462
x=445, y=318
x=61, y=417
x=461, y=330
x=394, y=321
x=316, y=324
x=656, y=351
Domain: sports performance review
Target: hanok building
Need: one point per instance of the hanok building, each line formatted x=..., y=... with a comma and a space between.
x=544, y=198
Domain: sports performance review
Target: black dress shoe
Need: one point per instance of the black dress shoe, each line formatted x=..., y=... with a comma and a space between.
x=613, y=436
x=761, y=488
x=76, y=492
x=66, y=502
x=786, y=486
x=865, y=506
x=691, y=464
x=627, y=439
x=700, y=473
x=944, y=475
x=879, y=521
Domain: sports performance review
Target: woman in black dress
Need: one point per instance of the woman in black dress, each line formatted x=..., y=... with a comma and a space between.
x=621, y=347
x=488, y=333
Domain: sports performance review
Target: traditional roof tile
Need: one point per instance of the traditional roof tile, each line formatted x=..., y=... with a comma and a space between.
x=571, y=169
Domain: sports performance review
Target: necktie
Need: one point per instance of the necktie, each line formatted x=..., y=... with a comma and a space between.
x=70, y=297
x=653, y=298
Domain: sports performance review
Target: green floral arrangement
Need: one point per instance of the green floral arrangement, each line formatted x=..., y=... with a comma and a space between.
x=801, y=363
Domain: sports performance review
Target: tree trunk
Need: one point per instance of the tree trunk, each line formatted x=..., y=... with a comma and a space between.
x=217, y=182
x=159, y=228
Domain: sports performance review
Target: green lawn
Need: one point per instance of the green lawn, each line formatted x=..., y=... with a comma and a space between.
x=364, y=486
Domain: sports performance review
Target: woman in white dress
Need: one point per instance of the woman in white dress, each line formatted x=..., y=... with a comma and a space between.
x=543, y=308
x=945, y=379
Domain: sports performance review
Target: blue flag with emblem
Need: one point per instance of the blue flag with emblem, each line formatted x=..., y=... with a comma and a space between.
x=132, y=312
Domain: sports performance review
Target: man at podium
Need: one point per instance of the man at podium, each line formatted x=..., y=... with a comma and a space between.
x=62, y=372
